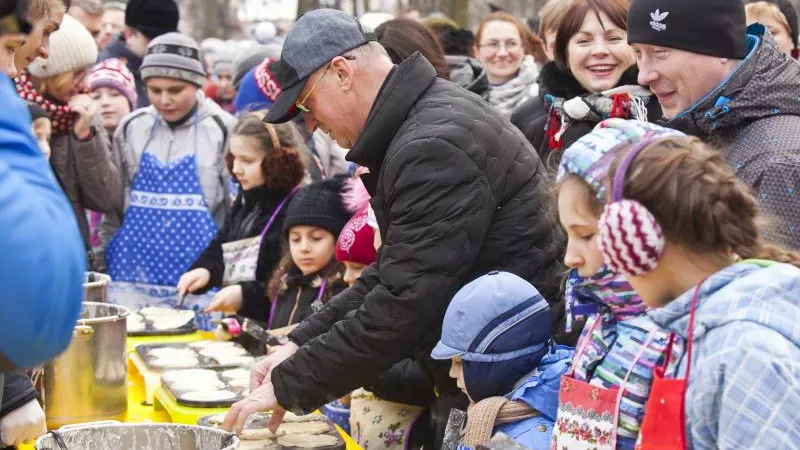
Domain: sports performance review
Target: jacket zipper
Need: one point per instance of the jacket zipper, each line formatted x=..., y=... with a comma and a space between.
x=296, y=303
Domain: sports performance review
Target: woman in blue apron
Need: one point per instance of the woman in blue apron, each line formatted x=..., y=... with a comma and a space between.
x=172, y=158
x=265, y=162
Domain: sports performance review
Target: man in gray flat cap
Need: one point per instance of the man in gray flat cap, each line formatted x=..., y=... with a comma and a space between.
x=457, y=192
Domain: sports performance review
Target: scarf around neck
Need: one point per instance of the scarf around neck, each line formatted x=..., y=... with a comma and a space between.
x=611, y=299
x=61, y=115
x=507, y=96
x=625, y=102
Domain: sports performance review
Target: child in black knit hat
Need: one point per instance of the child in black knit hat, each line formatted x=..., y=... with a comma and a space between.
x=308, y=274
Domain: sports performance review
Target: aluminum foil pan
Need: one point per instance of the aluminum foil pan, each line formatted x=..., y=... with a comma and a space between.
x=117, y=436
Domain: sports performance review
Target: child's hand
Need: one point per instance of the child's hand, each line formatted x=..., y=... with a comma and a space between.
x=193, y=280
x=83, y=105
x=228, y=300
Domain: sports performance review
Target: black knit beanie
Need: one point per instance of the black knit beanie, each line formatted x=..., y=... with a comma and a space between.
x=320, y=205
x=787, y=9
x=708, y=27
x=152, y=18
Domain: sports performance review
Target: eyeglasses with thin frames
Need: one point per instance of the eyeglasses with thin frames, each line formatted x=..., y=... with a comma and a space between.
x=494, y=46
x=301, y=105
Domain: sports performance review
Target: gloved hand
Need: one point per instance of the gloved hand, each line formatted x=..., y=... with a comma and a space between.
x=24, y=424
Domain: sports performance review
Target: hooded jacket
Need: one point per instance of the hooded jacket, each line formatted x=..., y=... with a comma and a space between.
x=754, y=117
x=457, y=193
x=250, y=212
x=533, y=116
x=117, y=48
x=539, y=389
x=133, y=134
x=743, y=387
x=43, y=258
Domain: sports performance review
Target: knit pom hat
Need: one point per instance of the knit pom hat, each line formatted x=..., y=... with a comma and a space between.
x=113, y=73
x=259, y=88
x=72, y=48
x=590, y=157
x=174, y=55
x=152, y=17
x=356, y=241
x=708, y=27
x=319, y=205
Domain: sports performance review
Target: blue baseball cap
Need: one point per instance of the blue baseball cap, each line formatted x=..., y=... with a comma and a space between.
x=497, y=317
x=316, y=38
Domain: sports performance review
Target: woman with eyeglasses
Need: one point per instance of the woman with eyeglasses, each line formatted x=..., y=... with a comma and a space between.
x=592, y=78
x=503, y=47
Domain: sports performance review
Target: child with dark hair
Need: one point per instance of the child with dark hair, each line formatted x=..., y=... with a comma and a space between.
x=309, y=274
x=264, y=160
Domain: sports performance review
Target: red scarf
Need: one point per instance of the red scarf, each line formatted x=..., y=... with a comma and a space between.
x=62, y=116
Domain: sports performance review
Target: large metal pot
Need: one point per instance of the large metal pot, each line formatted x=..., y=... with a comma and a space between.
x=145, y=436
x=89, y=381
x=95, y=287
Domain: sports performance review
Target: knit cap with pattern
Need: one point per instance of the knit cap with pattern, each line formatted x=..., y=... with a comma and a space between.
x=174, y=55
x=320, y=205
x=72, y=48
x=114, y=73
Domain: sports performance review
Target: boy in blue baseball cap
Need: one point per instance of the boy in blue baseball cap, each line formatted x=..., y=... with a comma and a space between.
x=496, y=332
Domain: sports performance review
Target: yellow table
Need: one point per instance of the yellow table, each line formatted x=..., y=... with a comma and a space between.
x=133, y=341
x=139, y=412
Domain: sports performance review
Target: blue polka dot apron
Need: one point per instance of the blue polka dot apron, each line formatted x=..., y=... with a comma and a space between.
x=165, y=228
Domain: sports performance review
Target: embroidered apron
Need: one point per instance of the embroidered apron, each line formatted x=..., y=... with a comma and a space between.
x=588, y=415
x=166, y=227
x=241, y=257
x=664, y=424
x=380, y=424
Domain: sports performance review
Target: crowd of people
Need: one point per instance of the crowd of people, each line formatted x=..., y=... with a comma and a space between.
x=580, y=229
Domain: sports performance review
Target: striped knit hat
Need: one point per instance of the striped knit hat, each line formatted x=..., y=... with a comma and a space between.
x=174, y=55
x=631, y=239
x=113, y=73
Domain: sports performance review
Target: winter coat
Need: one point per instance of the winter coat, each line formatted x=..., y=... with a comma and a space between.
x=533, y=116
x=457, y=192
x=117, y=48
x=540, y=391
x=300, y=297
x=18, y=390
x=213, y=129
x=250, y=212
x=88, y=174
x=743, y=387
x=468, y=73
x=754, y=118
x=43, y=258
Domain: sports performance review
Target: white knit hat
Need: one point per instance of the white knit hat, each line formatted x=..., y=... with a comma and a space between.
x=72, y=48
